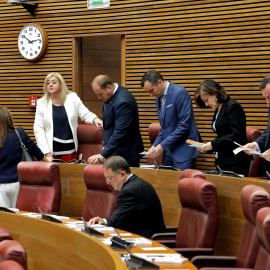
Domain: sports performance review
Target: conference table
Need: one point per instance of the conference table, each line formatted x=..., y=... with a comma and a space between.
x=51, y=245
x=165, y=183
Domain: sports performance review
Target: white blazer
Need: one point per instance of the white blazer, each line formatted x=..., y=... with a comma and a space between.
x=43, y=125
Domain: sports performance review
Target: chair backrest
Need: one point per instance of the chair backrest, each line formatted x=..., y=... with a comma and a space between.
x=198, y=224
x=10, y=265
x=40, y=186
x=90, y=139
x=187, y=173
x=5, y=234
x=252, y=135
x=153, y=131
x=263, y=233
x=253, y=198
x=13, y=250
x=100, y=199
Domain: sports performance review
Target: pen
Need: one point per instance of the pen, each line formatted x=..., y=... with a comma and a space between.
x=100, y=162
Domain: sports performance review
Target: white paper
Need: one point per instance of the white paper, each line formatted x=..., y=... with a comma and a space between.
x=146, y=166
x=154, y=248
x=145, y=153
x=255, y=153
x=122, y=234
x=197, y=145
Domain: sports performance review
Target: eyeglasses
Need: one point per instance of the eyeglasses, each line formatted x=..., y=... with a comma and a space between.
x=109, y=178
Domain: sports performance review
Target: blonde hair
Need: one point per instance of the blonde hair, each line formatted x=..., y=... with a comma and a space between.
x=63, y=87
x=6, y=124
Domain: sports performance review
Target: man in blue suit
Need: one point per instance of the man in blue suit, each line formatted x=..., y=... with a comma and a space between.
x=122, y=135
x=176, y=117
x=262, y=144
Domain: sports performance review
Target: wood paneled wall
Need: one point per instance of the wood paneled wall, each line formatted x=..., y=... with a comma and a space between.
x=187, y=41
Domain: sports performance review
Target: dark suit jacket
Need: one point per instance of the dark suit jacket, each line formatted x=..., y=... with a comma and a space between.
x=230, y=128
x=178, y=124
x=264, y=140
x=122, y=135
x=138, y=209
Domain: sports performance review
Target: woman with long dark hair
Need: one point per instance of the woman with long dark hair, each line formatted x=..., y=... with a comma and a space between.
x=10, y=156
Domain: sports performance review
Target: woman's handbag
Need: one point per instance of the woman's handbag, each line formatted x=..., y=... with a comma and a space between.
x=26, y=156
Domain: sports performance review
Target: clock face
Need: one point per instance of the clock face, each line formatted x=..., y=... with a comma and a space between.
x=32, y=41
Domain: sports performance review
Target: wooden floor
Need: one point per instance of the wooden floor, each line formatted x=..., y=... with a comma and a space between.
x=165, y=183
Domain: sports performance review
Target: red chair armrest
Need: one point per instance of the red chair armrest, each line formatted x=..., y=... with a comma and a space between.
x=192, y=252
x=214, y=261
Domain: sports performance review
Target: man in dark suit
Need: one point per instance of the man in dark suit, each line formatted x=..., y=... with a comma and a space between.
x=138, y=209
x=176, y=117
x=262, y=144
x=120, y=122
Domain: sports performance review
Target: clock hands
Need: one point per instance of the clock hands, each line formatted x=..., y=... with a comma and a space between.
x=31, y=41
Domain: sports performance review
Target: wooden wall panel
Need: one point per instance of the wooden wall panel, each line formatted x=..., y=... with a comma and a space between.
x=187, y=41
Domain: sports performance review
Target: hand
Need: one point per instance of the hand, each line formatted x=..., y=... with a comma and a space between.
x=249, y=147
x=98, y=122
x=266, y=155
x=155, y=151
x=95, y=159
x=96, y=220
x=207, y=146
x=47, y=159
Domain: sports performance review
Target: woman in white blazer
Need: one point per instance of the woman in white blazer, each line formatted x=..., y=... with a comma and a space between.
x=56, y=119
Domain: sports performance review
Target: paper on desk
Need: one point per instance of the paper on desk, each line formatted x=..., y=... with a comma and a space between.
x=122, y=234
x=162, y=257
x=154, y=248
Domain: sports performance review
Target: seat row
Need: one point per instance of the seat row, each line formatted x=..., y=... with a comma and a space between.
x=12, y=253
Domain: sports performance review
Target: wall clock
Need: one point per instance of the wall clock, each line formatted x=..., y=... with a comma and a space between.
x=32, y=41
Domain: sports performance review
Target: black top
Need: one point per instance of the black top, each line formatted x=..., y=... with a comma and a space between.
x=63, y=142
x=138, y=209
x=11, y=155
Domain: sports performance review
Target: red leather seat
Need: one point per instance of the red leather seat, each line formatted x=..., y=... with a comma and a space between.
x=100, y=198
x=90, y=140
x=5, y=234
x=263, y=233
x=253, y=198
x=12, y=250
x=198, y=224
x=188, y=173
x=10, y=265
x=153, y=131
x=252, y=135
x=40, y=186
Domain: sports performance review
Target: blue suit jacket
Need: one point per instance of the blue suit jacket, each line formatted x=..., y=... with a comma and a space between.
x=264, y=140
x=178, y=124
x=122, y=135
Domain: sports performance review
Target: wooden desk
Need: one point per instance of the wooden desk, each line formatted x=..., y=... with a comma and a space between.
x=52, y=246
x=166, y=184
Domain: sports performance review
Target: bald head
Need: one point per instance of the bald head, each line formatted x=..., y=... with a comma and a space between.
x=103, y=86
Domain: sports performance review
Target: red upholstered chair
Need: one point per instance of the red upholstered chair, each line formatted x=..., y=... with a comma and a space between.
x=198, y=224
x=253, y=198
x=252, y=135
x=5, y=234
x=192, y=173
x=10, y=265
x=40, y=186
x=90, y=140
x=153, y=131
x=263, y=233
x=100, y=198
x=13, y=250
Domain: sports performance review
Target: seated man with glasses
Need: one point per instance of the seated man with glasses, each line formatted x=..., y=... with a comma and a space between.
x=138, y=209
